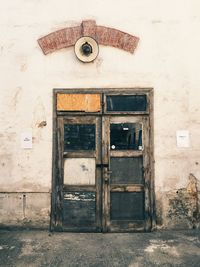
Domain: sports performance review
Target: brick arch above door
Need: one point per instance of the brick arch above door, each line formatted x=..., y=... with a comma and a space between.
x=103, y=35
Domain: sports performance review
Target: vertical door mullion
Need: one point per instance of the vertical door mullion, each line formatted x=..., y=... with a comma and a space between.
x=146, y=164
x=59, y=178
x=98, y=173
x=105, y=164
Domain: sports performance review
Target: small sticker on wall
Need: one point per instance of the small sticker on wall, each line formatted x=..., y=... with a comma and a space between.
x=182, y=138
x=26, y=140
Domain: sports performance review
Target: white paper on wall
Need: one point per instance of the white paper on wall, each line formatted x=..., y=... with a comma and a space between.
x=182, y=138
x=26, y=140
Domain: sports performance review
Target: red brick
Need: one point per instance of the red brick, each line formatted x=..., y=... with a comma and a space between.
x=104, y=35
x=59, y=39
x=89, y=28
x=116, y=38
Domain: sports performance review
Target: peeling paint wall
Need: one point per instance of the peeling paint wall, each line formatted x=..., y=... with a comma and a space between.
x=167, y=58
x=180, y=207
x=24, y=210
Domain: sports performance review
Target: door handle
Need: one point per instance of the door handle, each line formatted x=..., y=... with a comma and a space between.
x=106, y=180
x=107, y=173
x=107, y=176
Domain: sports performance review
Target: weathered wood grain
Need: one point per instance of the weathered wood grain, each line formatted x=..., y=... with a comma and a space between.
x=79, y=102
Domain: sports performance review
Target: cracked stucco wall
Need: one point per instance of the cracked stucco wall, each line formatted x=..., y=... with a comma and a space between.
x=167, y=58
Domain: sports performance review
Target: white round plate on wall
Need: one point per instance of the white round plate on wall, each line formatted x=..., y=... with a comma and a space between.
x=86, y=49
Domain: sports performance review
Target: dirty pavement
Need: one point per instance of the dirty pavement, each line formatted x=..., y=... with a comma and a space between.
x=40, y=248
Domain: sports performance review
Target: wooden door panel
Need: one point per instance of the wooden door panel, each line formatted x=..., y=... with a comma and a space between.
x=79, y=171
x=79, y=209
x=81, y=187
x=124, y=179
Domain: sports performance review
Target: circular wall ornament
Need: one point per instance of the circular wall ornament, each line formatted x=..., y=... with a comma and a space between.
x=86, y=49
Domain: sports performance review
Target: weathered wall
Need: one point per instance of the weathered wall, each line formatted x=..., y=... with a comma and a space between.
x=166, y=58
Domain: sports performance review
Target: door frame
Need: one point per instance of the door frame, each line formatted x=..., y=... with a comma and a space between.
x=56, y=191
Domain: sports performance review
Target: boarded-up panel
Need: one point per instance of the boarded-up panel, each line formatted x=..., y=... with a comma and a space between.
x=79, y=102
x=127, y=206
x=79, y=209
x=79, y=171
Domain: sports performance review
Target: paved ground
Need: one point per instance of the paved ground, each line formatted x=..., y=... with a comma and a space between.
x=41, y=249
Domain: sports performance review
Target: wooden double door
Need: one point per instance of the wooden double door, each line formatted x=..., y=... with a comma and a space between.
x=103, y=180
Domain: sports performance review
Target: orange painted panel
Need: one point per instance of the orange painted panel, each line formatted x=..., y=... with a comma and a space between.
x=79, y=102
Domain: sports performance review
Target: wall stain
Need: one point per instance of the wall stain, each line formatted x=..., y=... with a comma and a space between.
x=98, y=63
x=39, y=120
x=23, y=67
x=84, y=168
x=1, y=49
x=183, y=210
x=16, y=97
x=42, y=124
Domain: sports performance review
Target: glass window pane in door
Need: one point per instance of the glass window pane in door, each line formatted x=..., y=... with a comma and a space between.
x=125, y=136
x=122, y=103
x=79, y=137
